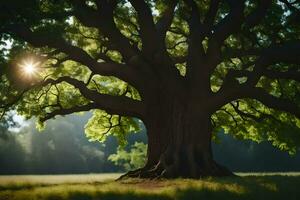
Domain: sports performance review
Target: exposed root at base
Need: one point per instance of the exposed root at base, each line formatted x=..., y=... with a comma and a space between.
x=159, y=171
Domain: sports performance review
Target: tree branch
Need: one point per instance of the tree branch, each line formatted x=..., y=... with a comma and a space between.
x=79, y=55
x=211, y=14
x=232, y=90
x=165, y=21
x=290, y=74
x=120, y=105
x=195, y=49
x=103, y=20
x=286, y=53
x=272, y=101
x=228, y=25
x=255, y=17
x=231, y=22
x=66, y=111
x=259, y=94
x=262, y=116
x=147, y=27
x=238, y=53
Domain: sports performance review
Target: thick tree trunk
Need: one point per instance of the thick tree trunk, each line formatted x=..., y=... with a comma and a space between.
x=179, y=143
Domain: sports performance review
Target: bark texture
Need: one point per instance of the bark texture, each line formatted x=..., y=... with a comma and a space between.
x=179, y=142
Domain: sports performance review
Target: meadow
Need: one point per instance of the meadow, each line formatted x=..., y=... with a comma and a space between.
x=103, y=186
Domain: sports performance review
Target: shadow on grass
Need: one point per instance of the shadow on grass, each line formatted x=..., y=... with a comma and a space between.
x=110, y=196
x=247, y=187
x=251, y=187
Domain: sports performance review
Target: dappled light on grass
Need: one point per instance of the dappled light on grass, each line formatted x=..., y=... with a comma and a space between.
x=246, y=187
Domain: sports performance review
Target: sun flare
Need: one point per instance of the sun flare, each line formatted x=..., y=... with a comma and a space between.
x=29, y=68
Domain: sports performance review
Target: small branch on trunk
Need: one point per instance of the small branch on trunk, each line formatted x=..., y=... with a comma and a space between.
x=258, y=119
x=291, y=74
x=176, y=44
x=211, y=14
x=66, y=111
x=165, y=21
x=148, y=31
x=259, y=13
x=178, y=32
x=231, y=22
x=238, y=53
x=231, y=115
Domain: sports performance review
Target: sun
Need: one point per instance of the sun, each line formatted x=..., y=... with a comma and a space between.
x=29, y=68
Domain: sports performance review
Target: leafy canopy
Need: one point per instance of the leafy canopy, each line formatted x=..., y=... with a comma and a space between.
x=70, y=38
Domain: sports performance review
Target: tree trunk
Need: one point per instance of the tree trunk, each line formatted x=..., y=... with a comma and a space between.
x=179, y=142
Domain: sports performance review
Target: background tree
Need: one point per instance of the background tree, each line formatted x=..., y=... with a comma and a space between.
x=185, y=68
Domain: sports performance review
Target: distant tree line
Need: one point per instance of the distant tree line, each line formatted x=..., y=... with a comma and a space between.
x=63, y=148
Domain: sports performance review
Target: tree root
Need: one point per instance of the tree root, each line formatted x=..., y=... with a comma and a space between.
x=131, y=174
x=160, y=171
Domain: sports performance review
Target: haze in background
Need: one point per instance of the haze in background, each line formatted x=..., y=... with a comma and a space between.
x=62, y=148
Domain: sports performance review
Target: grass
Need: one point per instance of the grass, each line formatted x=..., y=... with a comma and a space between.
x=101, y=186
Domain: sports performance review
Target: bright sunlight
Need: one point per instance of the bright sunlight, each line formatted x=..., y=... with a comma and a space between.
x=29, y=68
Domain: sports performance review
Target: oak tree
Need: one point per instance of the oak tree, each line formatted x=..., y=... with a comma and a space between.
x=186, y=68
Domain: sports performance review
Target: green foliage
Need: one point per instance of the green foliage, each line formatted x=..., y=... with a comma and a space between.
x=102, y=124
x=252, y=120
x=256, y=122
x=132, y=159
x=50, y=19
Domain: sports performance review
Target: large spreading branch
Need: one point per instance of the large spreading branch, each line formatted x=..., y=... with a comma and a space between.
x=195, y=49
x=211, y=14
x=227, y=26
x=154, y=55
x=290, y=74
x=165, y=21
x=77, y=54
x=103, y=20
x=120, y=105
x=232, y=90
x=286, y=53
x=277, y=103
x=259, y=13
x=145, y=65
x=272, y=101
x=232, y=23
x=148, y=31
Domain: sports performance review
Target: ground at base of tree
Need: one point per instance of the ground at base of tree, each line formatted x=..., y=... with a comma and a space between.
x=88, y=187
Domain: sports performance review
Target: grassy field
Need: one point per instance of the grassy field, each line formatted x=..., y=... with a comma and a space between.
x=102, y=186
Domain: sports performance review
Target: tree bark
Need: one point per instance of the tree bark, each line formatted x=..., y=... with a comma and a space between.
x=179, y=142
